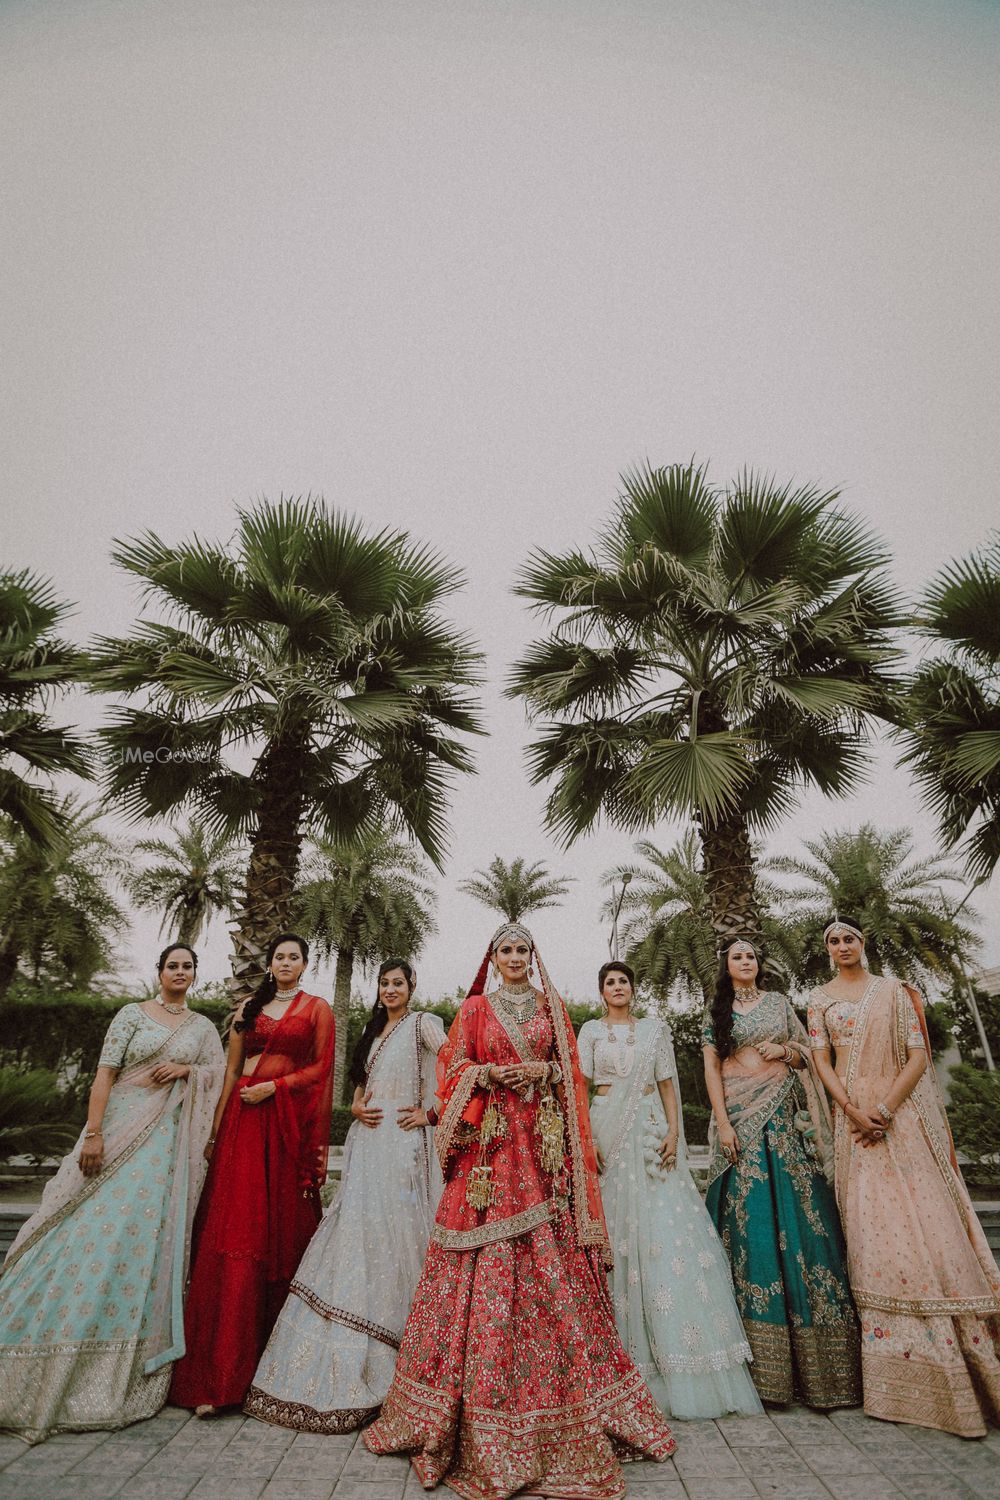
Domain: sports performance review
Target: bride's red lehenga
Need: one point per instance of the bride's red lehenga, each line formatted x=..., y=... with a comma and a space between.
x=260, y=1205
x=511, y=1375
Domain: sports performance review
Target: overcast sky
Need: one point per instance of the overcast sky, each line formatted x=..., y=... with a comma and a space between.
x=454, y=266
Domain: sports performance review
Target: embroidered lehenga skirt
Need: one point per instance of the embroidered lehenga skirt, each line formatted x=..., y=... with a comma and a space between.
x=511, y=1375
x=778, y=1220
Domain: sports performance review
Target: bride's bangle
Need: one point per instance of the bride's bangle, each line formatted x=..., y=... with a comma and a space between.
x=885, y=1112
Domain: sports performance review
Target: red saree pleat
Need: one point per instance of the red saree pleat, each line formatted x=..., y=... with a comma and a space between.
x=258, y=1212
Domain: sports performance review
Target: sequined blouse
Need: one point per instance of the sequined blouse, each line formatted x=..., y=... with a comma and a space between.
x=604, y=1060
x=832, y=1020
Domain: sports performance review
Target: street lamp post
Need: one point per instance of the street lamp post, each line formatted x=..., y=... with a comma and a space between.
x=970, y=993
x=613, y=944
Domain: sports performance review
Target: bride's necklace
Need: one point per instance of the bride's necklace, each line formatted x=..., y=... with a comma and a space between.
x=170, y=1006
x=623, y=1058
x=745, y=995
x=518, y=1000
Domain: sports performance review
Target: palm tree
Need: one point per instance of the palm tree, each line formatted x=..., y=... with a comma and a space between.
x=667, y=931
x=317, y=652
x=35, y=666
x=58, y=918
x=515, y=889
x=873, y=876
x=954, y=707
x=365, y=901
x=717, y=653
x=196, y=876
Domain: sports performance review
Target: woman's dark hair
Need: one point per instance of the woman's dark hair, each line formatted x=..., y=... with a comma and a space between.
x=722, y=1000
x=172, y=948
x=377, y=1020
x=268, y=986
x=615, y=966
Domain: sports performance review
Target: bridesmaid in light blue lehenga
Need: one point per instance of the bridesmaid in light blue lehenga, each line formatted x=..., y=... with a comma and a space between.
x=671, y=1285
x=91, y=1291
x=330, y=1360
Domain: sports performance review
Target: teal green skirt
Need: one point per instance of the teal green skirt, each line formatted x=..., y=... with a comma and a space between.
x=778, y=1219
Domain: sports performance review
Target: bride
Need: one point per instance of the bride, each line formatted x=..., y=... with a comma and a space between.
x=331, y=1357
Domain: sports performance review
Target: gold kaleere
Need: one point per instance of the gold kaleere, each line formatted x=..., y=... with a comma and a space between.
x=480, y=1190
x=493, y=1126
x=550, y=1131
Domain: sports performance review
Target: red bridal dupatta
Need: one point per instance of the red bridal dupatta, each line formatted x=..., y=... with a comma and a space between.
x=462, y=1066
x=298, y=1059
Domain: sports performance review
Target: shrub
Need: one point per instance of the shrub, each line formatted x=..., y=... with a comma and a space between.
x=36, y=1119
x=974, y=1111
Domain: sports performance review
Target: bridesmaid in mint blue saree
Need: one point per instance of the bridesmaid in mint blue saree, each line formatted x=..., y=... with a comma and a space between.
x=769, y=1194
x=91, y=1294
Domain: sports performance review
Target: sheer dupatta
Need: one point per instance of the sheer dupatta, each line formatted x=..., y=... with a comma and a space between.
x=462, y=1066
x=298, y=1058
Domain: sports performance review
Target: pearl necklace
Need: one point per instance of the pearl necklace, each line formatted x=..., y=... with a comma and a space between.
x=171, y=1008
x=286, y=994
x=623, y=1060
x=518, y=1001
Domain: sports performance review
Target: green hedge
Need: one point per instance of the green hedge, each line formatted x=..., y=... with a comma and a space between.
x=63, y=1034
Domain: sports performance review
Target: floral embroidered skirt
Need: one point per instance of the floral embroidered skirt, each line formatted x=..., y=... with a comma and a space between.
x=778, y=1220
x=511, y=1375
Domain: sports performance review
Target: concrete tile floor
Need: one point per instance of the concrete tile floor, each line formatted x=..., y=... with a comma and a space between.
x=793, y=1455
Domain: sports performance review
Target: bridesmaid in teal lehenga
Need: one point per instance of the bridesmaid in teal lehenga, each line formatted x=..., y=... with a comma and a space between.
x=769, y=1196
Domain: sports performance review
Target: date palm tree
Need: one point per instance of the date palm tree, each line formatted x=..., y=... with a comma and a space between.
x=871, y=874
x=517, y=888
x=304, y=681
x=196, y=876
x=58, y=915
x=365, y=901
x=36, y=665
x=954, y=706
x=715, y=654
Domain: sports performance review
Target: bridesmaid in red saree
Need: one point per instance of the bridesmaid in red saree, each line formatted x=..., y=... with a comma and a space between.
x=511, y=1374
x=261, y=1204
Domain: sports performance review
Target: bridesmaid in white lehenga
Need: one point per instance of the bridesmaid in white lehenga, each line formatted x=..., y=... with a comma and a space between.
x=330, y=1360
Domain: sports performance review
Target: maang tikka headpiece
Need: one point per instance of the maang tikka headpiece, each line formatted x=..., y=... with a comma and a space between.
x=513, y=930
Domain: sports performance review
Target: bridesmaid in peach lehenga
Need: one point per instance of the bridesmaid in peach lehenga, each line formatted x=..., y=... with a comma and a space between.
x=923, y=1277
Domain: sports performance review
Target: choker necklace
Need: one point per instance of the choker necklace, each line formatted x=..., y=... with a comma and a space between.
x=286, y=994
x=745, y=994
x=169, y=1006
x=517, y=1000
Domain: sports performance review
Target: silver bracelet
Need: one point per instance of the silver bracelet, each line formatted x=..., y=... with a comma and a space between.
x=885, y=1112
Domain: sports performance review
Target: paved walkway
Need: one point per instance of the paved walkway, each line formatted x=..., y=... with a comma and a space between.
x=786, y=1456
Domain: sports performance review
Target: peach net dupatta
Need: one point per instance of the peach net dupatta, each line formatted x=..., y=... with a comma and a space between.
x=461, y=1072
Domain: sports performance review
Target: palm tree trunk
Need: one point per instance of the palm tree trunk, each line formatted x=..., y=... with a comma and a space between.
x=730, y=880
x=268, y=903
x=9, y=958
x=341, y=1007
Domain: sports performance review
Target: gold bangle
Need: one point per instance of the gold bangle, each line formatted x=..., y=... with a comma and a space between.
x=89, y=1134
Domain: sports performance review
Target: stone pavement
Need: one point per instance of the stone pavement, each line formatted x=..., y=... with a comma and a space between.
x=794, y=1455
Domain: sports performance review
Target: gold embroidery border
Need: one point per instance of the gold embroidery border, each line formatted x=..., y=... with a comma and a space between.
x=589, y=1230
x=929, y=1307
x=496, y=1230
x=451, y=1119
x=302, y=1418
x=341, y=1315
